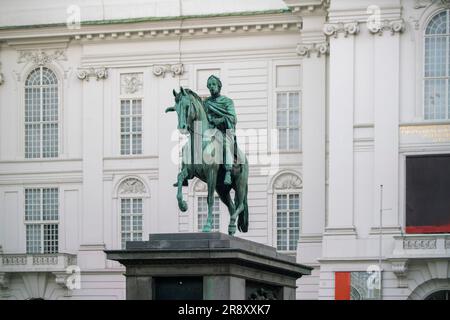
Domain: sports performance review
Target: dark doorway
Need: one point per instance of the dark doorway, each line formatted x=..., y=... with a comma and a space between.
x=439, y=295
x=178, y=288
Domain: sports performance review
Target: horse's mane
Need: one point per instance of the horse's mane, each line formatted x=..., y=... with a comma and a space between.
x=194, y=94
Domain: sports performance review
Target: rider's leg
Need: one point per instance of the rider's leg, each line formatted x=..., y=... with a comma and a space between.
x=229, y=151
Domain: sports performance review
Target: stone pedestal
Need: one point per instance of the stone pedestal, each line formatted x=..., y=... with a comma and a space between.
x=208, y=266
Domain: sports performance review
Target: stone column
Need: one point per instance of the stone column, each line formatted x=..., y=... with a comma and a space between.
x=92, y=243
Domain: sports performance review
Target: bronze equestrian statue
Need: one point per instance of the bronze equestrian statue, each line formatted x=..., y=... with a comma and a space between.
x=211, y=153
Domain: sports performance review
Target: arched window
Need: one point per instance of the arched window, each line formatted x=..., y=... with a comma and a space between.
x=41, y=114
x=437, y=67
x=287, y=206
x=131, y=194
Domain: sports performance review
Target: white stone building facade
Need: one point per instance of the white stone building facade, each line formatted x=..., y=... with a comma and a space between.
x=352, y=88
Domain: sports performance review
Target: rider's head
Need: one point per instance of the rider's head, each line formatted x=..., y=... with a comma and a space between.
x=214, y=85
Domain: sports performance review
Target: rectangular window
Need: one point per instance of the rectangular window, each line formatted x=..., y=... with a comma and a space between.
x=130, y=126
x=288, y=120
x=427, y=194
x=131, y=220
x=202, y=211
x=41, y=219
x=288, y=221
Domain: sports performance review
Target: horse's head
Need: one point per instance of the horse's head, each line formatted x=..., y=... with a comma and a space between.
x=184, y=109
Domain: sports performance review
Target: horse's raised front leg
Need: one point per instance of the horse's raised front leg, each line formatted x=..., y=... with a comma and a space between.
x=181, y=176
x=212, y=178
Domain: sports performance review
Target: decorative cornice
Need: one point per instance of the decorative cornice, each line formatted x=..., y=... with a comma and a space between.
x=175, y=69
x=305, y=50
x=40, y=57
x=86, y=73
x=420, y=4
x=194, y=31
x=307, y=6
x=131, y=186
x=348, y=28
x=394, y=26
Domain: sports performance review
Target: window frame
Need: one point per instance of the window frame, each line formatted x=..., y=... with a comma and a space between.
x=288, y=127
x=149, y=221
x=41, y=222
x=131, y=133
x=59, y=122
x=131, y=215
x=423, y=77
x=287, y=181
x=117, y=114
x=272, y=106
x=287, y=192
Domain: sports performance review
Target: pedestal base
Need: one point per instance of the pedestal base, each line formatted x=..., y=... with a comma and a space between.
x=208, y=266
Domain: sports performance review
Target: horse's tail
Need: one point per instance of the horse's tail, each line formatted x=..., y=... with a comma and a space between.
x=243, y=215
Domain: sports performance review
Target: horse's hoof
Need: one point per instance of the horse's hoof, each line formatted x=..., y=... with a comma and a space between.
x=206, y=228
x=183, y=206
x=231, y=230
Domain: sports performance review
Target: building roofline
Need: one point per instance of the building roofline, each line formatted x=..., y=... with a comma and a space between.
x=148, y=19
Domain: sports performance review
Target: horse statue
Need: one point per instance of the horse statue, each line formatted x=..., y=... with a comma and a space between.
x=192, y=120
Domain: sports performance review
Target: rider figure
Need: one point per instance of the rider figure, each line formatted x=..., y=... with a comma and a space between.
x=221, y=115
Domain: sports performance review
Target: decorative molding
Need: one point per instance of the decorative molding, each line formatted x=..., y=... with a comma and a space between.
x=45, y=260
x=194, y=31
x=175, y=69
x=287, y=181
x=419, y=244
x=393, y=26
x=131, y=186
x=4, y=280
x=420, y=4
x=41, y=57
x=305, y=50
x=14, y=259
x=340, y=231
x=131, y=83
x=447, y=243
x=308, y=6
x=62, y=279
x=400, y=269
x=98, y=73
x=200, y=186
x=348, y=28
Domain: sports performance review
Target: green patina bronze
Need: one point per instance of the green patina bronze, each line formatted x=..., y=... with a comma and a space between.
x=212, y=154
